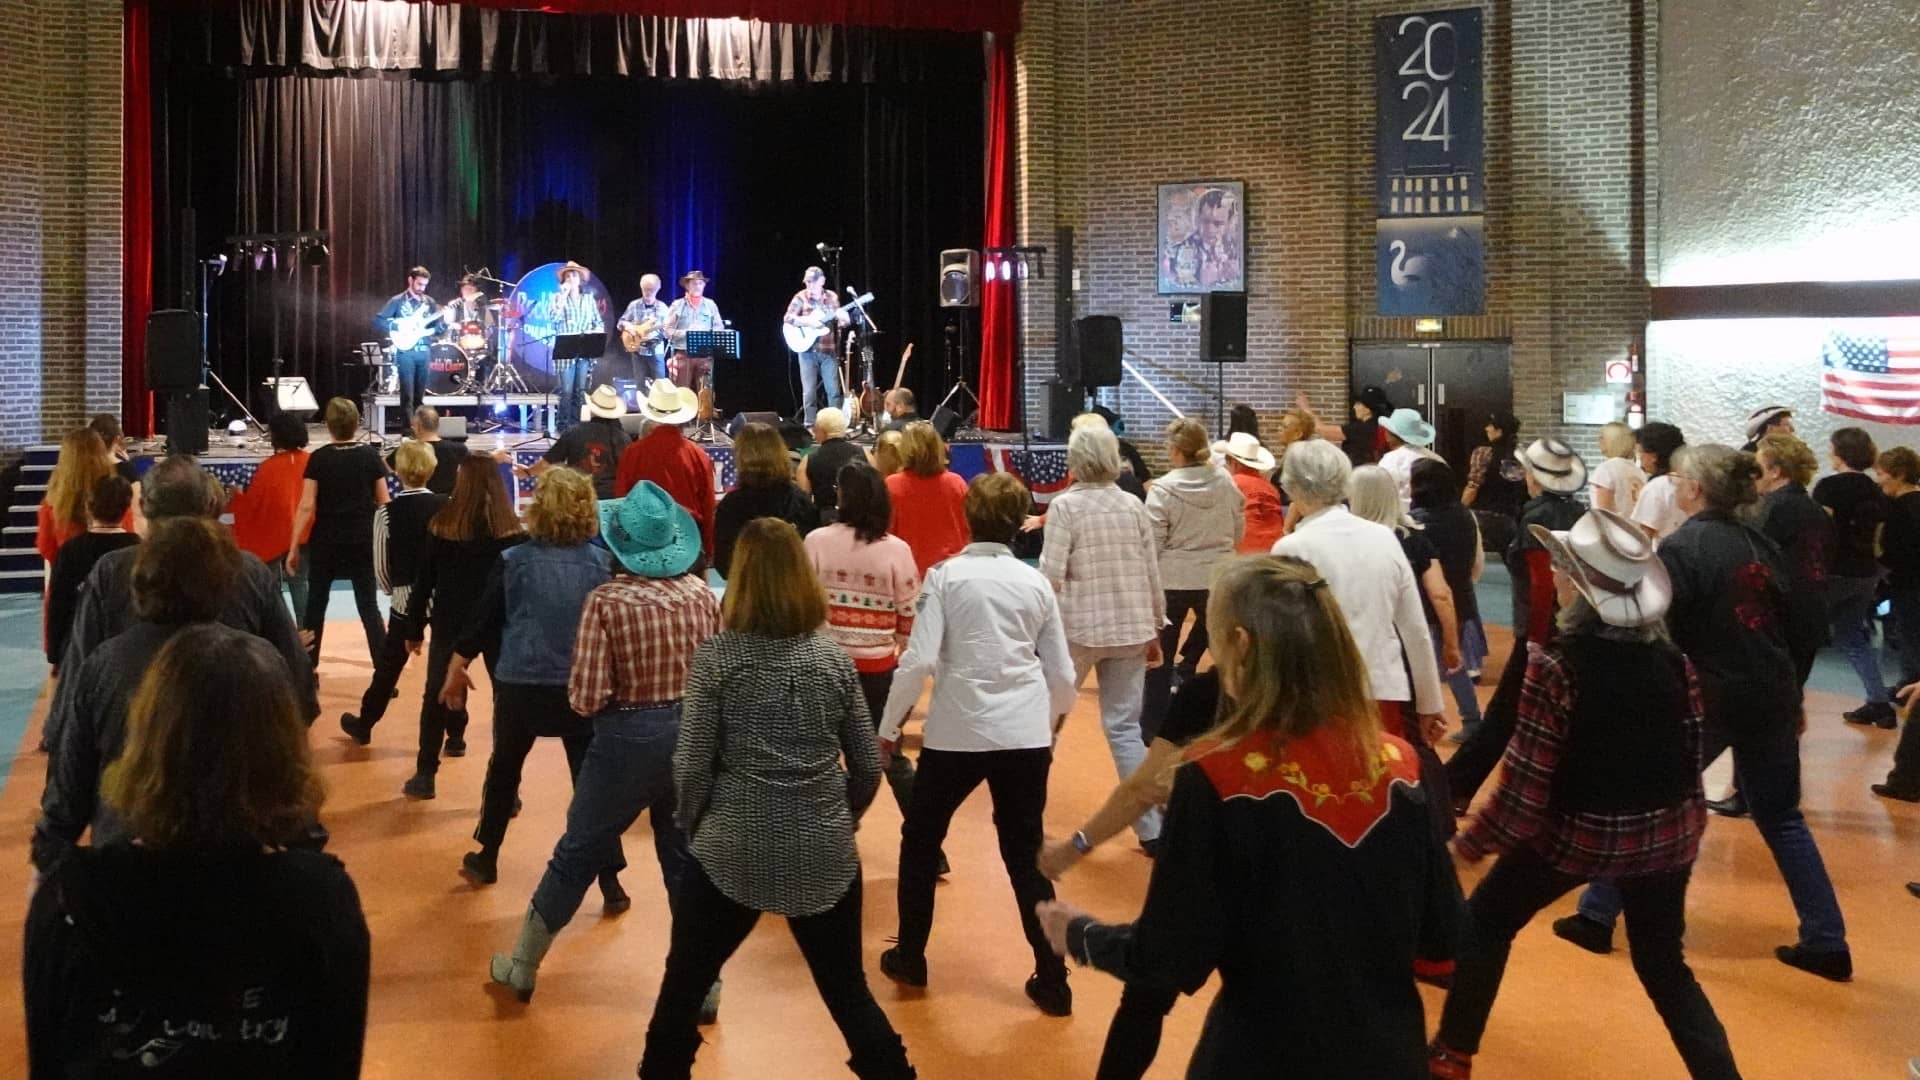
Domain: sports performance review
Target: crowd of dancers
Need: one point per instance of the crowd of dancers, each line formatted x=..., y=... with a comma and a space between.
x=1291, y=794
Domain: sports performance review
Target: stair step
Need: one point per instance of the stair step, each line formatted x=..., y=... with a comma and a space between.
x=20, y=530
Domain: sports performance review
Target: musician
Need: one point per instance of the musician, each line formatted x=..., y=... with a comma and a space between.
x=811, y=307
x=412, y=363
x=692, y=311
x=653, y=343
x=900, y=408
x=472, y=305
x=573, y=310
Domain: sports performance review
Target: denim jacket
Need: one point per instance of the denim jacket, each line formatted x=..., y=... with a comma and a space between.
x=544, y=588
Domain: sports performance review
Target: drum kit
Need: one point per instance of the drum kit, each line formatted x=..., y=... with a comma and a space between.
x=464, y=359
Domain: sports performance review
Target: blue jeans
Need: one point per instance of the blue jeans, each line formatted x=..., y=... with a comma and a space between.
x=570, y=379
x=1122, y=672
x=1767, y=763
x=628, y=768
x=816, y=366
x=1850, y=603
x=1460, y=682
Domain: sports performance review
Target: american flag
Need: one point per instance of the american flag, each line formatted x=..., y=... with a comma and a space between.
x=1044, y=471
x=1871, y=377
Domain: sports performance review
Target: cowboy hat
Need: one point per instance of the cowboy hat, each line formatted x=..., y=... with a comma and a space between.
x=1406, y=424
x=666, y=403
x=690, y=275
x=604, y=403
x=1758, y=419
x=1244, y=447
x=1612, y=562
x=572, y=267
x=1375, y=399
x=1555, y=465
x=649, y=533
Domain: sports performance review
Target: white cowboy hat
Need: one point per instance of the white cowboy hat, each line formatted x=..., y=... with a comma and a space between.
x=1758, y=419
x=1612, y=562
x=604, y=403
x=1244, y=447
x=1555, y=465
x=1412, y=430
x=666, y=403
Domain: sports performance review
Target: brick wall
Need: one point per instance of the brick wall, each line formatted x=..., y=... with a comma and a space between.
x=59, y=215
x=1279, y=93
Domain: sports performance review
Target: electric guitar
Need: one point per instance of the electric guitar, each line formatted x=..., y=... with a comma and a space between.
x=410, y=330
x=800, y=337
x=635, y=337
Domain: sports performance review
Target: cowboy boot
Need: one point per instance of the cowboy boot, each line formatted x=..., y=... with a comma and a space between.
x=518, y=970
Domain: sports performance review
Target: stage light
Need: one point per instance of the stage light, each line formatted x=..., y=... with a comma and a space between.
x=987, y=271
x=499, y=407
x=1006, y=269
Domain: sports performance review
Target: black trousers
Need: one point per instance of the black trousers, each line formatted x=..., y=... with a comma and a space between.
x=1133, y=1038
x=1518, y=887
x=521, y=714
x=1017, y=782
x=327, y=563
x=1486, y=743
x=708, y=926
x=386, y=670
x=437, y=722
x=1159, y=686
x=412, y=368
x=874, y=686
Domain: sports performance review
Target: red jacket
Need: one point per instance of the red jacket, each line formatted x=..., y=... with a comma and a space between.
x=929, y=513
x=668, y=458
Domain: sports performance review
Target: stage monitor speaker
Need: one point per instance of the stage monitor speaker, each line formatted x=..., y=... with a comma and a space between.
x=741, y=420
x=1098, y=347
x=453, y=428
x=960, y=278
x=173, y=351
x=186, y=419
x=946, y=422
x=1223, y=328
x=290, y=394
x=1064, y=402
x=632, y=424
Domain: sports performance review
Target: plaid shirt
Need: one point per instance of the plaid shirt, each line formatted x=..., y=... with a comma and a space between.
x=1099, y=557
x=800, y=307
x=1580, y=844
x=636, y=640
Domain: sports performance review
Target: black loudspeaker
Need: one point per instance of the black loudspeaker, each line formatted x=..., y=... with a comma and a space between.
x=173, y=351
x=1223, y=327
x=960, y=278
x=946, y=422
x=1098, y=346
x=186, y=418
x=1064, y=402
x=741, y=420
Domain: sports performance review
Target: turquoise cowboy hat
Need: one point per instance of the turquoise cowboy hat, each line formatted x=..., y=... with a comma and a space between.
x=649, y=533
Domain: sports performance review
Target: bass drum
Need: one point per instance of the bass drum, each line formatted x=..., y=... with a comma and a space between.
x=446, y=368
x=472, y=336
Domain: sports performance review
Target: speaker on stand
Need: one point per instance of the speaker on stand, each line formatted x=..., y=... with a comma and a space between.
x=1223, y=341
x=173, y=374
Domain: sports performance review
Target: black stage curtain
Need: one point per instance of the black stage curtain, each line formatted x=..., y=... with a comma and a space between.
x=627, y=176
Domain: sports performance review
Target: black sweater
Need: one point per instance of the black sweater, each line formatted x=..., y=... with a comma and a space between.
x=783, y=500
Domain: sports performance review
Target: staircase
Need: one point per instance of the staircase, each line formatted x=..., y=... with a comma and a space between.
x=20, y=567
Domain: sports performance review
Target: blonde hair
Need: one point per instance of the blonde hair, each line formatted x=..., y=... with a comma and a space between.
x=216, y=751
x=888, y=450
x=831, y=422
x=1088, y=419
x=1294, y=426
x=415, y=462
x=760, y=456
x=1288, y=662
x=1373, y=494
x=772, y=590
x=343, y=418
x=922, y=451
x=82, y=464
x=563, y=511
x=1793, y=457
x=1616, y=440
x=1189, y=436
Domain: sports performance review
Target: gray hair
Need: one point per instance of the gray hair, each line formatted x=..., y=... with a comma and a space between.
x=830, y=422
x=1580, y=617
x=1373, y=494
x=1315, y=471
x=178, y=487
x=1093, y=454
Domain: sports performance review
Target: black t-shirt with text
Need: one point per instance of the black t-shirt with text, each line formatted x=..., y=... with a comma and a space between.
x=594, y=448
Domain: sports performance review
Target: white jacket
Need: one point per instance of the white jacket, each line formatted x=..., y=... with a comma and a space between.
x=1198, y=517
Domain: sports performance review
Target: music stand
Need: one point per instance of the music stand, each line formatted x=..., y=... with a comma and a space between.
x=717, y=345
x=574, y=348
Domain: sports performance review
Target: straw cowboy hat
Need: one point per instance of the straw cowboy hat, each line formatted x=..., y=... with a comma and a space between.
x=1758, y=419
x=572, y=267
x=690, y=275
x=649, y=533
x=1244, y=447
x=1555, y=465
x=604, y=403
x=1612, y=562
x=1412, y=430
x=666, y=403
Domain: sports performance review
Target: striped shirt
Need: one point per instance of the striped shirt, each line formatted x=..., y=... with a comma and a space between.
x=636, y=639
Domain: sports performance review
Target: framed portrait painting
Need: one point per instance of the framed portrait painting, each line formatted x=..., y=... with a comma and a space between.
x=1202, y=236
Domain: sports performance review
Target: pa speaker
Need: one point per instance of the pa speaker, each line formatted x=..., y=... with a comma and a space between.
x=453, y=428
x=1064, y=402
x=741, y=420
x=960, y=278
x=1223, y=328
x=173, y=351
x=186, y=418
x=946, y=422
x=1098, y=348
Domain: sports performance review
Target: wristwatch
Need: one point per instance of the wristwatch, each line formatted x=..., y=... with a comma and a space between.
x=1080, y=842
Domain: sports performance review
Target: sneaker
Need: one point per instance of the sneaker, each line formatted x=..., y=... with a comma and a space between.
x=1734, y=806
x=1836, y=965
x=904, y=969
x=1888, y=791
x=1876, y=713
x=480, y=867
x=1445, y=1064
x=420, y=787
x=456, y=746
x=357, y=729
x=1051, y=994
x=1592, y=936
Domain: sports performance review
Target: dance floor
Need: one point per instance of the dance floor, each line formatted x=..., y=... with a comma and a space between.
x=1563, y=1014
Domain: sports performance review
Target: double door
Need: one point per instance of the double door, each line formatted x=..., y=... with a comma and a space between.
x=1455, y=386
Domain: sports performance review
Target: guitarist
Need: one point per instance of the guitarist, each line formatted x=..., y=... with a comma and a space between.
x=413, y=304
x=814, y=307
x=651, y=355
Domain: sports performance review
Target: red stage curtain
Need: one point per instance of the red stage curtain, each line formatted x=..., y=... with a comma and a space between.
x=995, y=16
x=136, y=219
x=998, y=348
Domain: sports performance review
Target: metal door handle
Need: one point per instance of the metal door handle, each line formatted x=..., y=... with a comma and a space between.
x=1420, y=394
x=1441, y=397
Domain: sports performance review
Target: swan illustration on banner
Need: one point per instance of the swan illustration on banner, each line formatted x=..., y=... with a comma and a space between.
x=1406, y=271
x=1430, y=266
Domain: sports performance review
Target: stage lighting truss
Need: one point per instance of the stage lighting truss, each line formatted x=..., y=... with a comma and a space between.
x=1013, y=263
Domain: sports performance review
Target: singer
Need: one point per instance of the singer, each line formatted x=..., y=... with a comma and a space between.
x=813, y=308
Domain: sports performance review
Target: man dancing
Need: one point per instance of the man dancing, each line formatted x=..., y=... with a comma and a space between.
x=405, y=320
x=811, y=307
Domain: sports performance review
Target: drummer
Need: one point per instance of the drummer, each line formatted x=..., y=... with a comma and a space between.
x=470, y=307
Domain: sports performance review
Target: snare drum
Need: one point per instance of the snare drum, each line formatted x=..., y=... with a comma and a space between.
x=472, y=335
x=446, y=368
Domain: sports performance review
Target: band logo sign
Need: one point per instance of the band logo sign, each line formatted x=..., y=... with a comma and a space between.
x=1430, y=166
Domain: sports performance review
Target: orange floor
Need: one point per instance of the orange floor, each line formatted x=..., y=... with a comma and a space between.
x=1563, y=1014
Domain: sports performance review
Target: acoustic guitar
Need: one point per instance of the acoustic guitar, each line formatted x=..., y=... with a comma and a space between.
x=801, y=336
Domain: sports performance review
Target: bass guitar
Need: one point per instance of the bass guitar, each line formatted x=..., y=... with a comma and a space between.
x=801, y=335
x=410, y=330
x=635, y=337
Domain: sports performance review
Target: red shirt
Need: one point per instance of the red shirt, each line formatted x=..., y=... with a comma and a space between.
x=929, y=513
x=263, y=513
x=1266, y=521
x=668, y=458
